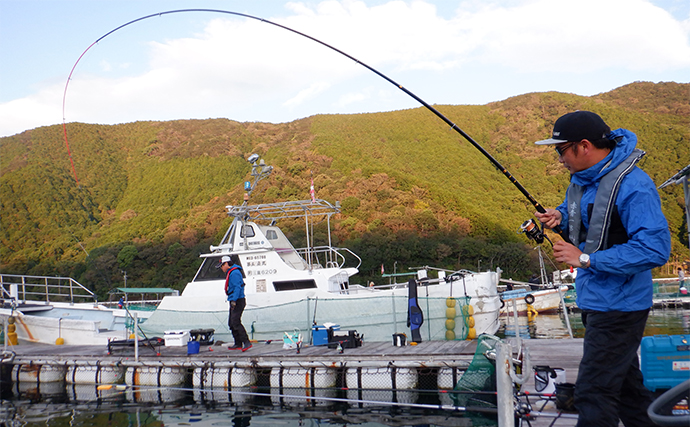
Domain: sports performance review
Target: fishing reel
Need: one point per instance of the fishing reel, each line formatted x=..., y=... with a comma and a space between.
x=533, y=232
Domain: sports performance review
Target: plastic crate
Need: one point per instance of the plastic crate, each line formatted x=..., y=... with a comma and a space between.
x=665, y=360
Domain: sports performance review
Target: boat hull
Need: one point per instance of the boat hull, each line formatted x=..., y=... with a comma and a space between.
x=545, y=301
x=376, y=314
x=76, y=324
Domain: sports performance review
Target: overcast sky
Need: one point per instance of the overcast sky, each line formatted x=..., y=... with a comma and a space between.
x=207, y=65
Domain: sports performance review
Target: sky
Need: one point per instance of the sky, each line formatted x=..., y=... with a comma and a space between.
x=199, y=64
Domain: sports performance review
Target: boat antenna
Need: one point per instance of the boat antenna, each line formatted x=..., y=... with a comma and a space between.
x=259, y=171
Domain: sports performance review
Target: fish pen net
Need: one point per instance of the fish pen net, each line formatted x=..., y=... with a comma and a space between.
x=378, y=319
x=479, y=377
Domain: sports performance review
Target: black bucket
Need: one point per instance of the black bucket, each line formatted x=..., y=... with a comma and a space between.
x=565, y=396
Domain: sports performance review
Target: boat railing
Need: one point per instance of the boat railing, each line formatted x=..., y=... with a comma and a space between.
x=25, y=288
x=326, y=256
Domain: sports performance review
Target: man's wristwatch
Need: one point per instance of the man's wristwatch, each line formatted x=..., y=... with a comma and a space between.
x=584, y=261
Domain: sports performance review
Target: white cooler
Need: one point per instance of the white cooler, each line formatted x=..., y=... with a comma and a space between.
x=176, y=338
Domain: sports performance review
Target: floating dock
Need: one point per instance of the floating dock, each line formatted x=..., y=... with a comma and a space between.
x=379, y=366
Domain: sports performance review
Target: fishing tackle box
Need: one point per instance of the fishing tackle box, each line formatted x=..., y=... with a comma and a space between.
x=665, y=360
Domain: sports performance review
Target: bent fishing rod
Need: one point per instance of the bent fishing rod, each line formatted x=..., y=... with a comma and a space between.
x=450, y=123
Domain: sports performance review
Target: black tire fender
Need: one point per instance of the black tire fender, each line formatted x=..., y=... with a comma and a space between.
x=529, y=299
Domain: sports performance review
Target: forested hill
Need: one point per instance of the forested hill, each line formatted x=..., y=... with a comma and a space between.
x=151, y=196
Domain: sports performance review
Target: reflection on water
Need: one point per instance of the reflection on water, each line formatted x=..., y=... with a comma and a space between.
x=58, y=404
x=660, y=322
x=85, y=405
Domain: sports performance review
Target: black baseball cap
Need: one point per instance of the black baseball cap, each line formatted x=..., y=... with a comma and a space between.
x=577, y=126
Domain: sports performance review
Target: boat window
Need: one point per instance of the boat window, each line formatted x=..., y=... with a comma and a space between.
x=291, y=285
x=208, y=270
x=247, y=231
x=271, y=235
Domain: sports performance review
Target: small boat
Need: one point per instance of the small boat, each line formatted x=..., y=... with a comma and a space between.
x=538, y=295
x=546, y=299
x=60, y=310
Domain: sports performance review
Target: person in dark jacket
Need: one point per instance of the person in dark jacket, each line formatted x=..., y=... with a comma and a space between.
x=234, y=289
x=612, y=214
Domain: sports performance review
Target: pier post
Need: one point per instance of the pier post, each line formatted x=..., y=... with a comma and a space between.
x=504, y=385
x=136, y=337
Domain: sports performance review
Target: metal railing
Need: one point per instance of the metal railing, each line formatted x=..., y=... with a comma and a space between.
x=24, y=288
x=328, y=256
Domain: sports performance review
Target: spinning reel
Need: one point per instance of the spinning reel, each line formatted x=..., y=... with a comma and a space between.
x=533, y=232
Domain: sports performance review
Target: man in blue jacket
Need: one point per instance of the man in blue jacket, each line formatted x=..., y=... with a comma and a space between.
x=612, y=214
x=234, y=289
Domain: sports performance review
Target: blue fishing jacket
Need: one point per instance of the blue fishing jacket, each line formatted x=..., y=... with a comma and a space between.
x=234, y=283
x=620, y=278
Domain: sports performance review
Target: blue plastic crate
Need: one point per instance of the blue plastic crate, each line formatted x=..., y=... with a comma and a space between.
x=665, y=360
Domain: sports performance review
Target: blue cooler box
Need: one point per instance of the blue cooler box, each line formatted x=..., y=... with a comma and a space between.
x=319, y=333
x=665, y=360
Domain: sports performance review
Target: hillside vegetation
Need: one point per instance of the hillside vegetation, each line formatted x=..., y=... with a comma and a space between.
x=151, y=196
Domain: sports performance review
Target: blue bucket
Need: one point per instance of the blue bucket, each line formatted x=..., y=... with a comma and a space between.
x=193, y=347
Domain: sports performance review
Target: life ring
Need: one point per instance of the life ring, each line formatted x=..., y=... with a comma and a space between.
x=529, y=299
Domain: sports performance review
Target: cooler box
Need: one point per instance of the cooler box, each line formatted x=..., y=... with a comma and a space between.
x=176, y=338
x=319, y=333
x=665, y=360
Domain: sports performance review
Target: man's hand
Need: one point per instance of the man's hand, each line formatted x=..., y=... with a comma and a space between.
x=233, y=304
x=567, y=253
x=550, y=218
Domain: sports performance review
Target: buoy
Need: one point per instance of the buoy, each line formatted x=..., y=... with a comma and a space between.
x=467, y=310
x=60, y=341
x=451, y=313
x=11, y=334
x=104, y=387
x=471, y=334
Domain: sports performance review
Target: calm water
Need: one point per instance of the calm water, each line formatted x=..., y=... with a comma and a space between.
x=59, y=405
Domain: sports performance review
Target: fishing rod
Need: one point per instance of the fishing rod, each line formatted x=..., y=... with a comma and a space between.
x=450, y=123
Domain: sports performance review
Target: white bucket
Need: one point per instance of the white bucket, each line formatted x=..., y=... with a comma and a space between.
x=546, y=378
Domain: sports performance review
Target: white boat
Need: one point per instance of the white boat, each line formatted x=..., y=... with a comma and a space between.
x=545, y=299
x=54, y=310
x=291, y=290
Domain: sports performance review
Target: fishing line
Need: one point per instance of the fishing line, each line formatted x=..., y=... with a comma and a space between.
x=452, y=125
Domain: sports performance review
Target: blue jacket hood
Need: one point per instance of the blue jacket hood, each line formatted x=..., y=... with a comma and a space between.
x=625, y=146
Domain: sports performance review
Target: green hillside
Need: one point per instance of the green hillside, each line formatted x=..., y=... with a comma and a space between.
x=151, y=195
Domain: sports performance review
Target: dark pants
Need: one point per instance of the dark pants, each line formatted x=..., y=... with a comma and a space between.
x=609, y=383
x=235, y=323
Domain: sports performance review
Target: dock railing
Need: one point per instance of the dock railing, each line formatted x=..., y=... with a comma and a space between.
x=47, y=289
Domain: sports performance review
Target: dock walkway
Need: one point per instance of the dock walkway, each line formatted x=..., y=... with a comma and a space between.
x=434, y=355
